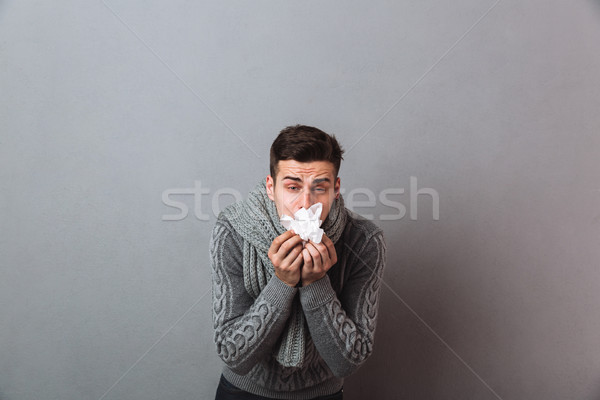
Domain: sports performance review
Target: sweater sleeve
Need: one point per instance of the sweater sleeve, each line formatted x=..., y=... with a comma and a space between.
x=343, y=329
x=246, y=329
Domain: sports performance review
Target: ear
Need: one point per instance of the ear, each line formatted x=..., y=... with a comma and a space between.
x=270, y=186
x=337, y=188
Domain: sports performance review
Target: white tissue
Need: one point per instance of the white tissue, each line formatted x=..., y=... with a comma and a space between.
x=305, y=223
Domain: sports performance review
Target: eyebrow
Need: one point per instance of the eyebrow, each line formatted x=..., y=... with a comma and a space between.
x=315, y=182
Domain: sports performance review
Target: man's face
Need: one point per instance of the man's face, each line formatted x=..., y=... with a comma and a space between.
x=302, y=184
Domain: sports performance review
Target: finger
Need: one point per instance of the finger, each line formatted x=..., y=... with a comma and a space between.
x=328, y=242
x=285, y=236
x=289, y=244
x=298, y=261
x=323, y=250
x=279, y=240
x=291, y=256
x=330, y=249
x=325, y=238
x=316, y=255
x=308, y=261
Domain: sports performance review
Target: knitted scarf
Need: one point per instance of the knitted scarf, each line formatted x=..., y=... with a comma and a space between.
x=257, y=221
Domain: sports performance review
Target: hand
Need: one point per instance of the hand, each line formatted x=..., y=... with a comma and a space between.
x=318, y=258
x=286, y=255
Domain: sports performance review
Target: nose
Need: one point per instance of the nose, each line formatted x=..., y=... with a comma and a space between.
x=306, y=199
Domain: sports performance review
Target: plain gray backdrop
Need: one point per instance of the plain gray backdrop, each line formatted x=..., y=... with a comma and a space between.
x=106, y=106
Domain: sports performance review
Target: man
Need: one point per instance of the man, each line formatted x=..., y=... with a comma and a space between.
x=292, y=319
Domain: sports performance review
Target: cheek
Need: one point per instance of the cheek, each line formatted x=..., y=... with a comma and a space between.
x=279, y=203
x=326, y=209
x=286, y=204
x=288, y=199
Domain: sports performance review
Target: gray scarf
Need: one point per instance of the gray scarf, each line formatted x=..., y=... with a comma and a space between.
x=257, y=221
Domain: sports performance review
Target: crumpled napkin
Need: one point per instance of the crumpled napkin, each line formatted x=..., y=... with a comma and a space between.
x=305, y=223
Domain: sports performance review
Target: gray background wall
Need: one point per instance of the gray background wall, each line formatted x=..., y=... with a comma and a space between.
x=107, y=105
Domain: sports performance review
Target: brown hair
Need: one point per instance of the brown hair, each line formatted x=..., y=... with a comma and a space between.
x=305, y=144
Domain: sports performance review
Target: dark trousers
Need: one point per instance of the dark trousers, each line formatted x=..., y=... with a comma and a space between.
x=227, y=391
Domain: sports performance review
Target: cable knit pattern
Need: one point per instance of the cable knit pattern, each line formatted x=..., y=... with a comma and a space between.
x=233, y=337
x=357, y=342
x=339, y=312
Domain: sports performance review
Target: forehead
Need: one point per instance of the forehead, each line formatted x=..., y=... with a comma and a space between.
x=305, y=170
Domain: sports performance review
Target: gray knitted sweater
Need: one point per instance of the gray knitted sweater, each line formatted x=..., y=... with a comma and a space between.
x=340, y=310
